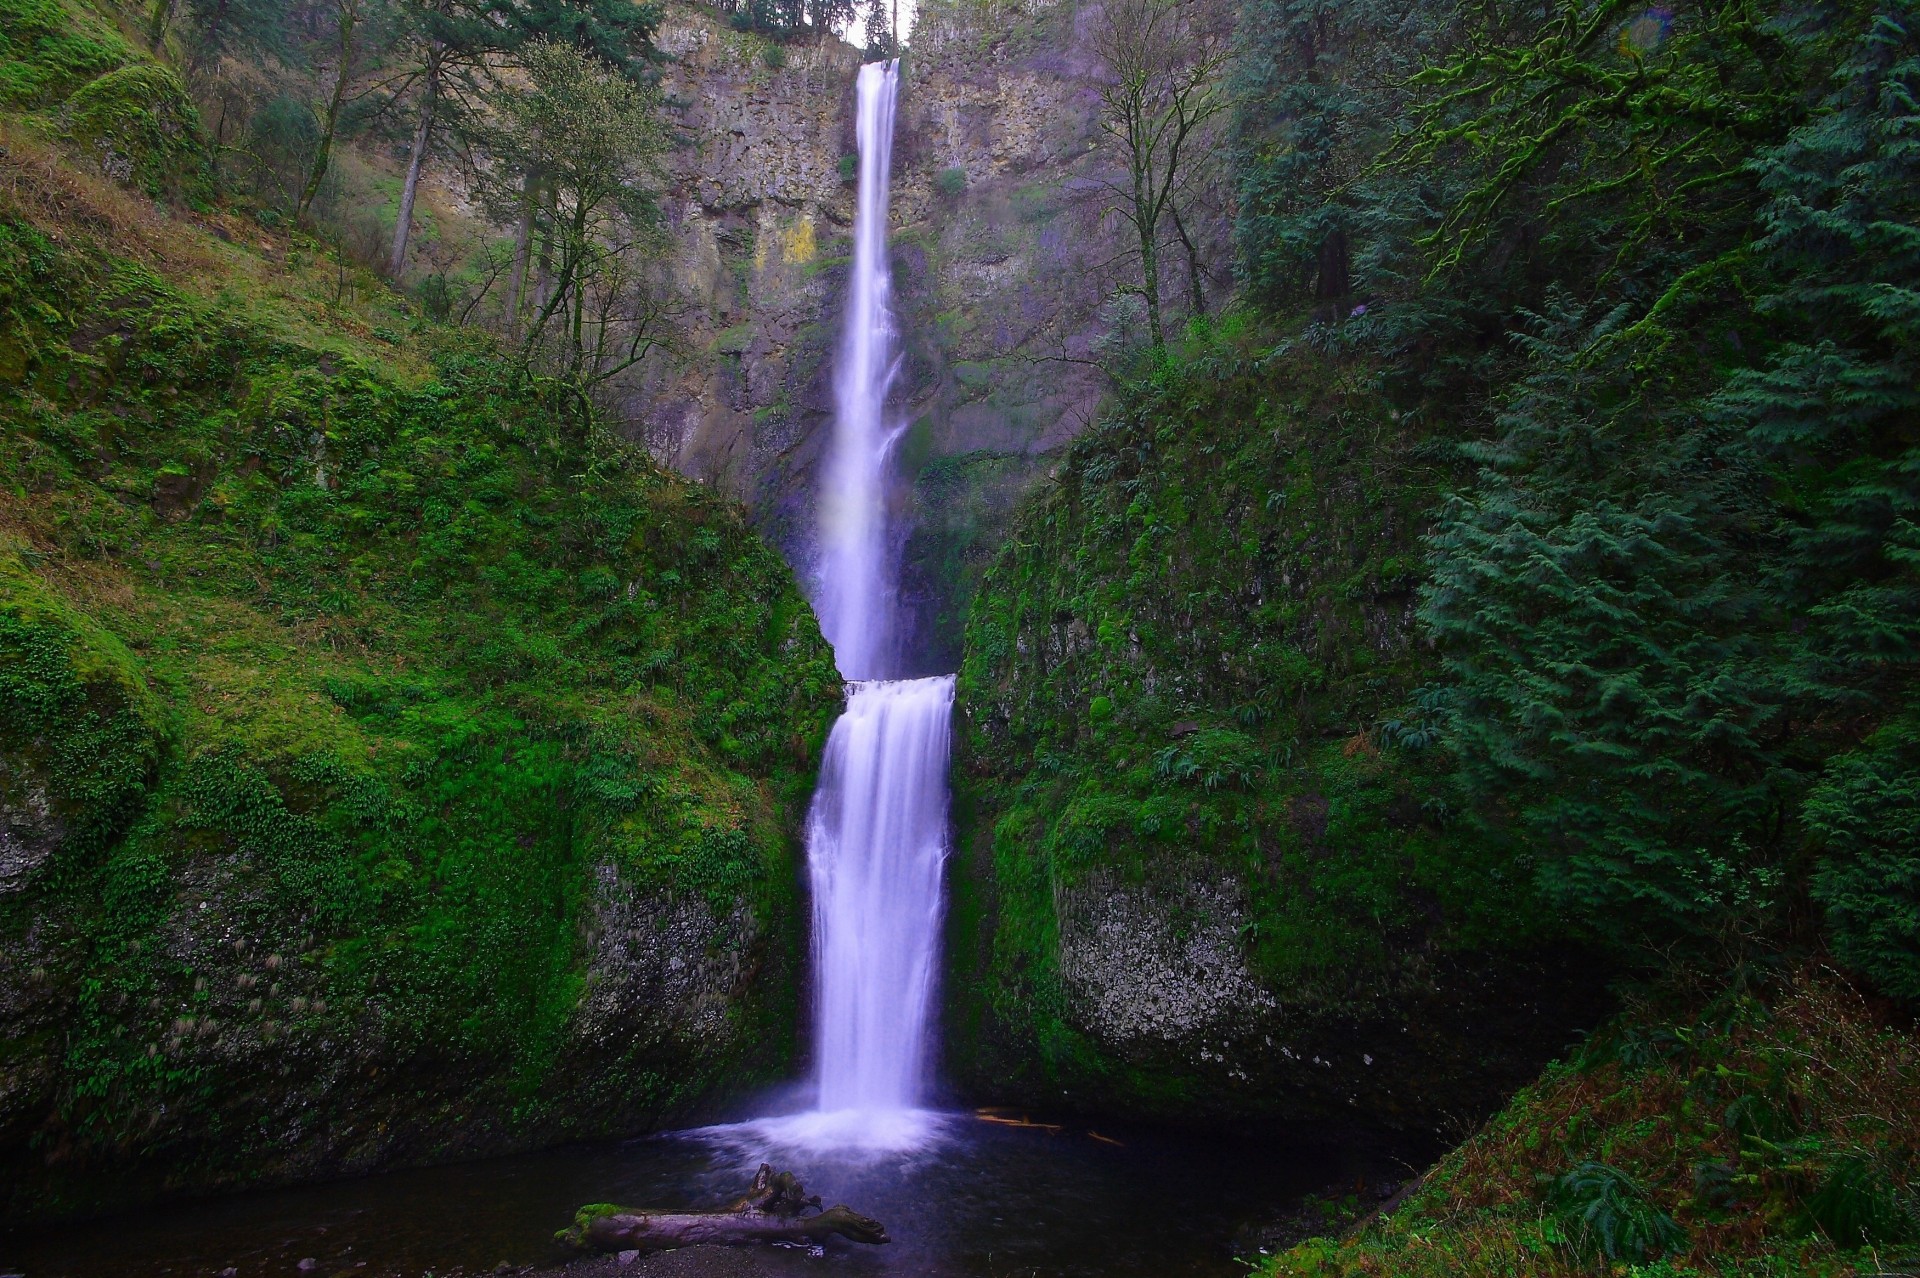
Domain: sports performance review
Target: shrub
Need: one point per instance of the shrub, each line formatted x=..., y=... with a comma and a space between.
x=1607, y=1210
x=1866, y=809
x=1856, y=1207
x=952, y=182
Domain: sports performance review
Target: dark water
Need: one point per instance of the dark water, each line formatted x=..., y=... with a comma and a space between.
x=985, y=1200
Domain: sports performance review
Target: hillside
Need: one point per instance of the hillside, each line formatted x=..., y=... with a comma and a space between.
x=392, y=771
x=1198, y=877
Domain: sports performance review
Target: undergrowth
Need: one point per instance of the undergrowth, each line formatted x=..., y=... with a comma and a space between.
x=1768, y=1130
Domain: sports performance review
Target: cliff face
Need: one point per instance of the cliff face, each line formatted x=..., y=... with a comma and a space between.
x=1195, y=876
x=1004, y=271
x=387, y=774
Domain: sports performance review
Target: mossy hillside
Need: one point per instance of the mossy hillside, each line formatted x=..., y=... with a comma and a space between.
x=1767, y=1132
x=49, y=48
x=1199, y=871
x=69, y=70
x=419, y=778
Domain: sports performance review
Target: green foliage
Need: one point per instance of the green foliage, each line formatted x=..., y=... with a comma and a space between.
x=781, y=18
x=1668, y=599
x=951, y=182
x=80, y=723
x=1180, y=672
x=349, y=669
x=1604, y=1208
x=596, y=139
x=1865, y=809
x=1649, y=275
x=1859, y=1207
x=1772, y=1133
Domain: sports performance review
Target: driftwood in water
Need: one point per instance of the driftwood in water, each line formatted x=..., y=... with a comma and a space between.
x=774, y=1211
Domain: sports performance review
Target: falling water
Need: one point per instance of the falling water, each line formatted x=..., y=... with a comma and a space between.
x=858, y=572
x=876, y=844
x=877, y=832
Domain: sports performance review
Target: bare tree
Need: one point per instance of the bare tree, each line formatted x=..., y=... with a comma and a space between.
x=1165, y=62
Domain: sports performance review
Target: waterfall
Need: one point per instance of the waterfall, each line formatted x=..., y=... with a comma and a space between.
x=877, y=830
x=858, y=572
x=876, y=845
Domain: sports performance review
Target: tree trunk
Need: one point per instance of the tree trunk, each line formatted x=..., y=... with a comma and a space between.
x=543, y=286
x=429, y=102
x=1332, y=280
x=772, y=1212
x=1194, y=288
x=159, y=17
x=1150, y=287
x=349, y=18
x=1146, y=220
x=208, y=39
x=522, y=250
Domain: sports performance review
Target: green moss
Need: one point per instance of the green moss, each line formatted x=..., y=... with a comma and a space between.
x=366, y=693
x=80, y=730
x=138, y=124
x=48, y=49
x=1191, y=665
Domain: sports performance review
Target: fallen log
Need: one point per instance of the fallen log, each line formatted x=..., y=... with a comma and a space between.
x=775, y=1210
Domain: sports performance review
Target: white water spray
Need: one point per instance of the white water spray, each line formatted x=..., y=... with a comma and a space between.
x=877, y=831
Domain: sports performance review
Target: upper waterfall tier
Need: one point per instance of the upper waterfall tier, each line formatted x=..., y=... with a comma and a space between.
x=858, y=572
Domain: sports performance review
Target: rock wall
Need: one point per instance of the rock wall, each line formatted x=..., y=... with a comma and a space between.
x=1007, y=274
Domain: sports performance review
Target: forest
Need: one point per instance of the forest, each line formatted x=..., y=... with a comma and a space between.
x=1454, y=688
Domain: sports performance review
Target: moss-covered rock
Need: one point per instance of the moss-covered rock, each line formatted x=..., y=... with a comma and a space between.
x=80, y=730
x=138, y=125
x=49, y=48
x=1203, y=870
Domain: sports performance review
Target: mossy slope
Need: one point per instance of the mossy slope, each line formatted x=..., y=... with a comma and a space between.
x=388, y=772
x=1767, y=1132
